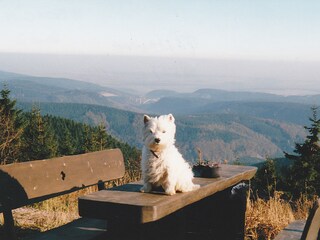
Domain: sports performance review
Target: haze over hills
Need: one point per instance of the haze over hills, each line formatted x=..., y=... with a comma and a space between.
x=215, y=95
x=142, y=74
x=225, y=125
x=45, y=89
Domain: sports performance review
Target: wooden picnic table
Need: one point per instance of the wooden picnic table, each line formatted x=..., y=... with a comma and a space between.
x=210, y=212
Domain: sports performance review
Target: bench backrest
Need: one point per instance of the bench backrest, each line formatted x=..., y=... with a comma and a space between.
x=34, y=181
x=311, y=229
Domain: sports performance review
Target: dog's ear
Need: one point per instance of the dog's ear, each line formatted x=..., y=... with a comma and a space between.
x=171, y=118
x=146, y=119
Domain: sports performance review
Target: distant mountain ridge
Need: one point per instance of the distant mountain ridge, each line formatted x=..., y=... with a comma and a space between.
x=224, y=95
x=45, y=89
x=293, y=109
x=296, y=113
x=61, y=83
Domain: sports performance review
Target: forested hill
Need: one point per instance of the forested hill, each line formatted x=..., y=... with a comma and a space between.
x=120, y=124
x=223, y=136
x=31, y=135
x=296, y=113
x=78, y=138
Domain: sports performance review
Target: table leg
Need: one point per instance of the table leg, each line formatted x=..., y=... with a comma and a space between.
x=218, y=217
x=171, y=227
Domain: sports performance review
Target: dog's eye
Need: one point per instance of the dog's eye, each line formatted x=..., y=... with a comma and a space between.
x=163, y=131
x=151, y=131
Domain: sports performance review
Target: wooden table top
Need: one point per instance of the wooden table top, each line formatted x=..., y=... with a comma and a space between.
x=127, y=201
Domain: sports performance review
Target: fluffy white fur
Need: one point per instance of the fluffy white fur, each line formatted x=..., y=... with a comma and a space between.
x=162, y=164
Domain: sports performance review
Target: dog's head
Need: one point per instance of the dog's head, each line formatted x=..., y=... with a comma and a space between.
x=159, y=131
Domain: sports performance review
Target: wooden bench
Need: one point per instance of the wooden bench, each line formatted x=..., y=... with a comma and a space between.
x=31, y=182
x=214, y=211
x=304, y=230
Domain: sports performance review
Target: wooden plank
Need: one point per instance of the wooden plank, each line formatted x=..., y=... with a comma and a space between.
x=30, y=180
x=128, y=202
x=292, y=232
x=312, y=227
x=80, y=229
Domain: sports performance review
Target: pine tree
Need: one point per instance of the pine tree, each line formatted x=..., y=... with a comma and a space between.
x=66, y=146
x=11, y=128
x=39, y=138
x=305, y=175
x=265, y=181
x=87, y=140
x=101, y=137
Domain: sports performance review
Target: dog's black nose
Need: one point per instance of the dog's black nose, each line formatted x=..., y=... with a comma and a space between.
x=157, y=140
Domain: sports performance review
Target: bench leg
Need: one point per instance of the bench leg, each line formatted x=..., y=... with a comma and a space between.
x=171, y=227
x=9, y=225
x=221, y=216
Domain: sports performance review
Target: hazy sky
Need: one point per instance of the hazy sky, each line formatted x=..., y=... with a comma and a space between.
x=281, y=29
x=274, y=31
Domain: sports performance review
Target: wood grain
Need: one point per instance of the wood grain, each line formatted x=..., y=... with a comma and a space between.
x=36, y=179
x=127, y=202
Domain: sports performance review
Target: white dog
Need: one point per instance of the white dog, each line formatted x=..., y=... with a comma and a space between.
x=162, y=164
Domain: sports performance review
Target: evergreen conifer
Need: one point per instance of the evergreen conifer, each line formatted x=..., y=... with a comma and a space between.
x=304, y=176
x=11, y=128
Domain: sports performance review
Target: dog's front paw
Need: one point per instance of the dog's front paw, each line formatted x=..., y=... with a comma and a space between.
x=170, y=192
x=190, y=187
x=146, y=188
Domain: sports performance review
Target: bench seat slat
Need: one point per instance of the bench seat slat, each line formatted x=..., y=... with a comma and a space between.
x=293, y=231
x=37, y=179
x=80, y=229
x=34, y=181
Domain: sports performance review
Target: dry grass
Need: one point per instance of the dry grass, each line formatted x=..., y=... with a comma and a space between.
x=51, y=213
x=41, y=220
x=302, y=205
x=265, y=219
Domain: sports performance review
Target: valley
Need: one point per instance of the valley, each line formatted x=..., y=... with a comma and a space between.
x=227, y=126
